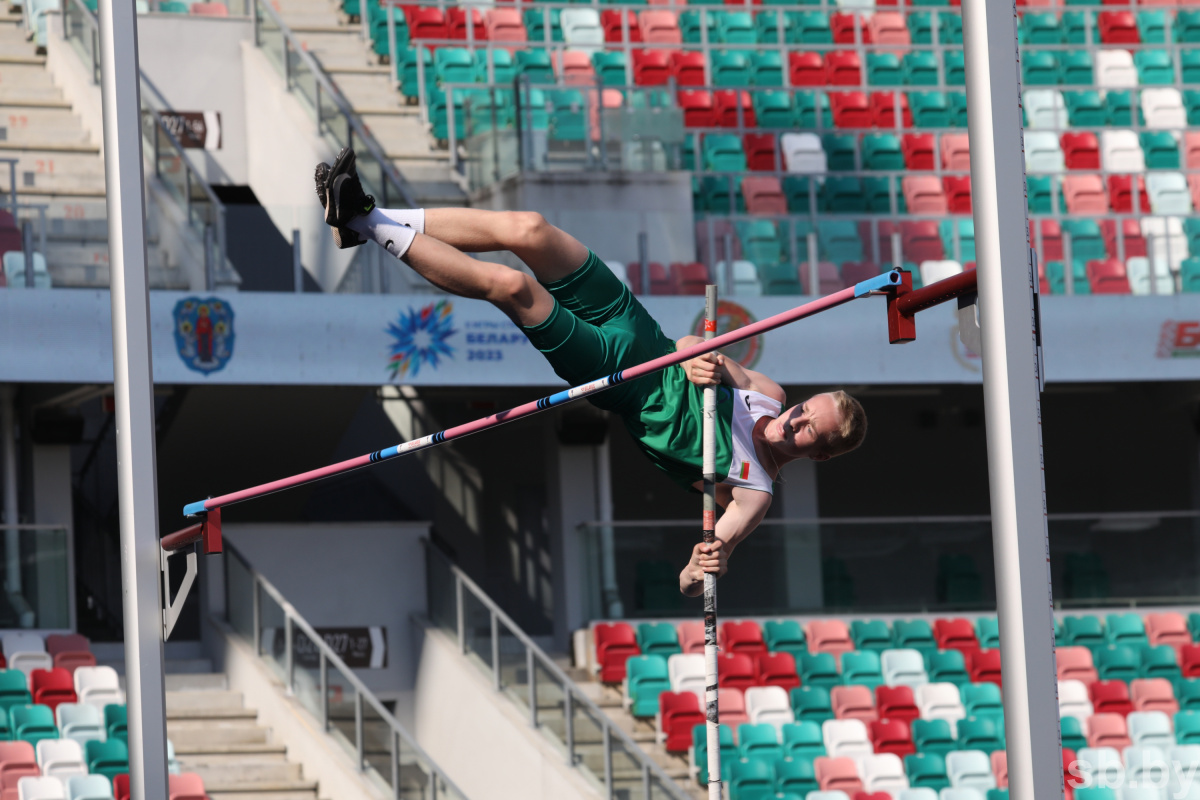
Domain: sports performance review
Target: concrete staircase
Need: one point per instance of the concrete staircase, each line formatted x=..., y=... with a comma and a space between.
x=58, y=167
x=339, y=47
x=217, y=737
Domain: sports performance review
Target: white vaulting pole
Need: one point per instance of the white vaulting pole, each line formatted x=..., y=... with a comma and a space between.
x=1011, y=377
x=709, y=444
x=134, y=394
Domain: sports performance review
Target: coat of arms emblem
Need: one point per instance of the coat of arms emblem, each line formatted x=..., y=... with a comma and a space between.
x=204, y=333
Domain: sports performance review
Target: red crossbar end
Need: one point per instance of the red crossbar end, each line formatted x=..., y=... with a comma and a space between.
x=901, y=327
x=211, y=532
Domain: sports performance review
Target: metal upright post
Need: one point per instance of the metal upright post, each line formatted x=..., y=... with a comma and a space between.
x=27, y=247
x=1011, y=396
x=133, y=385
x=297, y=265
x=710, y=580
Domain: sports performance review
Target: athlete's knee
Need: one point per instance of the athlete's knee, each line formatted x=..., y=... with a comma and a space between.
x=509, y=287
x=529, y=230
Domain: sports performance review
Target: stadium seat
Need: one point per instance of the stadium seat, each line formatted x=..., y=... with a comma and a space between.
x=1160, y=149
x=896, y=703
x=13, y=689
x=949, y=666
x=761, y=154
x=984, y=666
x=1154, y=67
x=927, y=770
x=116, y=722
x=806, y=69
x=1046, y=109
x=883, y=110
x=921, y=241
x=853, y=702
x=886, y=69
x=850, y=109
x=955, y=151
x=1043, y=153
x=862, y=668
x=581, y=29
x=1163, y=108
x=957, y=634
x=70, y=651
x=1114, y=69
x=25, y=651
x=32, y=723
x=1073, y=699
x=1076, y=663
x=1072, y=733
x=186, y=786
x=837, y=777
x=768, y=704
x=17, y=760
x=784, y=636
x=646, y=678
x=44, y=788
x=802, y=739
x=766, y=69
x=871, y=634
x=1170, y=193
x=1040, y=68
x=82, y=723
x=1108, y=730
x=924, y=195
x=729, y=104
x=843, y=68
x=60, y=758
x=1189, y=277
x=795, y=777
x=940, y=701
x=1108, y=276
x=678, y=713
x=819, y=669
x=1081, y=150
x=970, y=769
x=828, y=636
x=657, y=638
x=1118, y=27
x=687, y=673
x=778, y=669
x=1158, y=661
x=1121, y=151
x=811, y=703
x=985, y=734
x=883, y=772
x=729, y=751
x=1085, y=194
x=803, y=153
x=107, y=758
x=759, y=741
x=615, y=643
x=918, y=150
x=732, y=705
x=89, y=787
x=1120, y=194
x=1110, y=697
x=1150, y=729
x=1154, y=694
x=687, y=68
x=52, y=687
x=651, y=67
x=736, y=670
x=1167, y=628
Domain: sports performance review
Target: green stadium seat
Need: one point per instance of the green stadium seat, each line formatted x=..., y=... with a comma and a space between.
x=778, y=279
x=881, y=151
x=1038, y=190
x=610, y=66
x=406, y=69
x=840, y=151
x=811, y=703
x=504, y=69
x=795, y=776
x=535, y=24
x=116, y=721
x=949, y=28
x=1041, y=28
x=715, y=194
x=1095, y=793
x=1084, y=631
x=1075, y=68
x=454, y=65
x=796, y=190
x=996, y=794
x=774, y=109
x=439, y=118
x=759, y=741
x=1161, y=150
x=729, y=750
x=723, y=153
x=807, y=105
x=109, y=758
x=1086, y=109
x=1187, y=25
x=927, y=769
x=955, y=65
x=1087, y=241
x=819, y=670
x=1075, y=25
x=783, y=633
x=982, y=700
x=30, y=723
x=1154, y=67
x=1152, y=27
x=488, y=106
x=958, y=108
x=646, y=679
x=760, y=241
x=968, y=588
x=947, y=666
x=1120, y=107
x=987, y=629
x=862, y=668
x=1189, y=274
x=568, y=123
x=1117, y=662
x=534, y=64
x=885, y=69
x=1072, y=733
x=766, y=26
x=871, y=634
x=1187, y=727
x=933, y=736
x=843, y=196
x=929, y=109
x=802, y=739
x=914, y=634
x=1159, y=662
x=918, y=67
x=750, y=778
x=1059, y=640
x=172, y=7
x=980, y=733
x=1055, y=274
x=766, y=69
x=812, y=27
x=734, y=27
x=14, y=689
x=839, y=241
x=1039, y=68
x=730, y=68
x=1125, y=629
x=1189, y=65
x=658, y=638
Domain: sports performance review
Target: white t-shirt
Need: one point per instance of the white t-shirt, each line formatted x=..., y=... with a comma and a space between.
x=748, y=408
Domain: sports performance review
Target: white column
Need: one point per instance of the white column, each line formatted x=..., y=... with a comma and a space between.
x=573, y=497
x=12, y=537
x=133, y=384
x=1011, y=397
x=797, y=499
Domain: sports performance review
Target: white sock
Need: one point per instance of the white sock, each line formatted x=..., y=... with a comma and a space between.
x=389, y=233
x=412, y=217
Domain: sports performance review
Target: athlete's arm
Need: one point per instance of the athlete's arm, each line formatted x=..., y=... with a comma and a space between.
x=713, y=369
x=742, y=514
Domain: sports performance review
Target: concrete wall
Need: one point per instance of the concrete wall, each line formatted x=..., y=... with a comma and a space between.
x=349, y=575
x=196, y=63
x=481, y=739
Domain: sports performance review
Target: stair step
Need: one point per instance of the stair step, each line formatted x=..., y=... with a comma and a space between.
x=191, y=732
x=211, y=713
x=230, y=749
x=197, y=681
x=244, y=773
x=182, y=702
x=265, y=786
x=285, y=794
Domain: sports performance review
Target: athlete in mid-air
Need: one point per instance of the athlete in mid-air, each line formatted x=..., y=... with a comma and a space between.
x=588, y=325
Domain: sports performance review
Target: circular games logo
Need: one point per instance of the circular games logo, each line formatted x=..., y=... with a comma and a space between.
x=731, y=316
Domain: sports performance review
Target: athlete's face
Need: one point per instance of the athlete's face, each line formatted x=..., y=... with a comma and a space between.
x=803, y=431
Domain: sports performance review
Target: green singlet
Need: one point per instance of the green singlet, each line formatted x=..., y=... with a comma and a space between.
x=597, y=328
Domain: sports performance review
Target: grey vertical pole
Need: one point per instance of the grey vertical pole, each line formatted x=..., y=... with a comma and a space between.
x=644, y=257
x=133, y=384
x=297, y=266
x=27, y=252
x=1011, y=397
x=709, y=443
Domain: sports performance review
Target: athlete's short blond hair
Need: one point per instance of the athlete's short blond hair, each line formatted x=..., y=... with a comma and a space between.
x=852, y=424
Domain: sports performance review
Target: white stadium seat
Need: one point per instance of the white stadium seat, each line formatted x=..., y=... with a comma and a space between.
x=1150, y=729
x=1100, y=765
x=1146, y=765
x=919, y=793
x=745, y=278
x=1163, y=108
x=934, y=271
x=1165, y=239
x=83, y=723
x=883, y=772
x=846, y=737
x=1114, y=69
x=43, y=788
x=1043, y=152
x=61, y=758
x=940, y=701
x=769, y=705
x=1046, y=109
x=581, y=29
x=26, y=652
x=903, y=668
x=803, y=153
x=960, y=793
x=1121, y=151
x=1073, y=700
x=970, y=769
x=1140, y=282
x=89, y=787
x=98, y=686
x=1169, y=193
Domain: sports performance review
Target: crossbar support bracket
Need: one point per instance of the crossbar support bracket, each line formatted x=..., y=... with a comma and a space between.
x=204, y=536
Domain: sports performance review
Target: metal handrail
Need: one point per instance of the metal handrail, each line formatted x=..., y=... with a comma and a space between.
x=328, y=657
x=572, y=694
x=952, y=518
x=403, y=190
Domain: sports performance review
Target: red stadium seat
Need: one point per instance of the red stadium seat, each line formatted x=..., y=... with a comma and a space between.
x=924, y=195
x=187, y=786
x=687, y=68
x=1085, y=194
x=955, y=634
x=615, y=643
x=891, y=736
x=1075, y=663
x=1154, y=694
x=50, y=687
x=850, y=109
x=829, y=280
x=651, y=67
x=660, y=284
x=1108, y=276
x=764, y=195
x=921, y=240
x=1052, y=247
x=889, y=28
x=843, y=24
x=883, y=110
x=727, y=108
x=837, y=774
x=843, y=68
x=690, y=278
x=610, y=20
x=1120, y=194
x=678, y=713
x=984, y=666
x=1191, y=149
x=1135, y=245
x=853, y=702
x=873, y=796
x=1108, y=730
x=1110, y=697
x=896, y=702
x=731, y=704
x=741, y=637
x=917, y=149
x=778, y=669
x=958, y=193
x=428, y=22
x=806, y=69
x=1000, y=768
x=69, y=651
x=691, y=634
x=760, y=153
x=210, y=10
x=1081, y=150
x=576, y=67
x=699, y=109
x=16, y=761
x=736, y=670
x=456, y=23
x=1194, y=189
x=659, y=27
x=1118, y=27
x=1189, y=660
x=121, y=786
x=828, y=636
x=956, y=152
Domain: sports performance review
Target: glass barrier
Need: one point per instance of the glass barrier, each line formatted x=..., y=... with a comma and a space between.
x=631, y=570
x=326, y=688
x=586, y=737
x=37, y=577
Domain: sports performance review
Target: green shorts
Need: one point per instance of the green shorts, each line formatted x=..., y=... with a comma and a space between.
x=597, y=328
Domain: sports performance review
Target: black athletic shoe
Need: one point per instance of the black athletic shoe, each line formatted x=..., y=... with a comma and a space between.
x=346, y=198
x=344, y=238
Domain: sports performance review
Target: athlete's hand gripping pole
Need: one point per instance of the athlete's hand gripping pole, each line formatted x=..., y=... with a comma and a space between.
x=709, y=446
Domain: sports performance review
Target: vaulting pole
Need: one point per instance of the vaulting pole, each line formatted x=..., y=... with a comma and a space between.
x=876, y=285
x=709, y=444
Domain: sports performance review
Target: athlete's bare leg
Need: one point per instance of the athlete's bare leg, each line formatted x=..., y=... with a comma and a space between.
x=551, y=253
